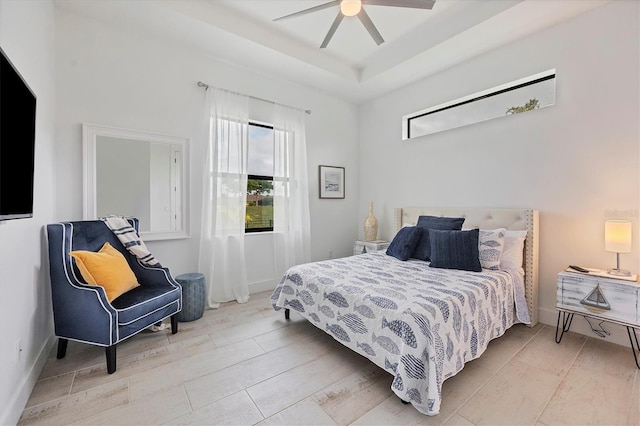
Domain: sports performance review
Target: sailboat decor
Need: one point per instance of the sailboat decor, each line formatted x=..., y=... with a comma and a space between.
x=596, y=301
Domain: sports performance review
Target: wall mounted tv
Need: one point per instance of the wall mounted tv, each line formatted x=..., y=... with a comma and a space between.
x=17, y=142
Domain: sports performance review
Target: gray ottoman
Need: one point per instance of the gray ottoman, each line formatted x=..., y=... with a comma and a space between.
x=193, y=296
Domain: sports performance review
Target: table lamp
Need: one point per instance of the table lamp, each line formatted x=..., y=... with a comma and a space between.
x=617, y=239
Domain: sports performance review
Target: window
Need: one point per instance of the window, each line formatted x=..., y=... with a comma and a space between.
x=526, y=94
x=259, y=210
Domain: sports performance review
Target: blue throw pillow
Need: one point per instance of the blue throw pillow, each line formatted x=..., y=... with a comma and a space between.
x=404, y=242
x=455, y=250
x=423, y=248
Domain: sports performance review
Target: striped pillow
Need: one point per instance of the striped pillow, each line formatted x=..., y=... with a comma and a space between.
x=455, y=250
x=404, y=242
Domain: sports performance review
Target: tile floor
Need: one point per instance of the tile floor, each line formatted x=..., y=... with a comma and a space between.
x=244, y=365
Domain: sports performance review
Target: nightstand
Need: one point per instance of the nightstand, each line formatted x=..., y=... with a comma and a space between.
x=604, y=299
x=369, y=246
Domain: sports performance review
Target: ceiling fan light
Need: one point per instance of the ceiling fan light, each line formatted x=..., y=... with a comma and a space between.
x=350, y=7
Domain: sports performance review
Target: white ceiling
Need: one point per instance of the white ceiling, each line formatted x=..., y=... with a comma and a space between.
x=418, y=42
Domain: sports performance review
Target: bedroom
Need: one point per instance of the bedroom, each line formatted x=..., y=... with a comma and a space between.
x=576, y=162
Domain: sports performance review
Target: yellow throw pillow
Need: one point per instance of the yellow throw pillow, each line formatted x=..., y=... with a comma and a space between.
x=107, y=268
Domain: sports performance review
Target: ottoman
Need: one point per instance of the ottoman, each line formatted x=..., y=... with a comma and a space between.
x=193, y=296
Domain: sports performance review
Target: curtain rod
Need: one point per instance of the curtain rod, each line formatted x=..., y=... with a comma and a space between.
x=308, y=111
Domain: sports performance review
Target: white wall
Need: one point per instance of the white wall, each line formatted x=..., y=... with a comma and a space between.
x=576, y=162
x=26, y=36
x=124, y=78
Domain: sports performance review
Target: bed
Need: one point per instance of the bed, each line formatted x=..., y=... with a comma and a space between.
x=419, y=323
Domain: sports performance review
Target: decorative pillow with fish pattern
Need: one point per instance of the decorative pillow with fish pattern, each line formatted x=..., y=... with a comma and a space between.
x=490, y=247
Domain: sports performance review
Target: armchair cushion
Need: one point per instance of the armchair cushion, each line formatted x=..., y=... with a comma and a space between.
x=141, y=301
x=107, y=268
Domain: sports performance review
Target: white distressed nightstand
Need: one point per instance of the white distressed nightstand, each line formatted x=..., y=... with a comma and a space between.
x=600, y=298
x=369, y=246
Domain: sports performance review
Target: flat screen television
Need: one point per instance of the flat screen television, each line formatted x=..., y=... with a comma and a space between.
x=17, y=142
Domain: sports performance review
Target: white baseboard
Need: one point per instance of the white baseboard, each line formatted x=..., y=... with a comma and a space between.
x=260, y=286
x=579, y=325
x=13, y=411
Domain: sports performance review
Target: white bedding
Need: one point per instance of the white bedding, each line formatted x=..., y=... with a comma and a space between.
x=420, y=324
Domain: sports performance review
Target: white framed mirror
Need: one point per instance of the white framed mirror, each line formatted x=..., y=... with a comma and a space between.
x=137, y=173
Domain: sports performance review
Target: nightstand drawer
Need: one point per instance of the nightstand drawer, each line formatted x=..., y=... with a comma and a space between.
x=360, y=247
x=599, y=297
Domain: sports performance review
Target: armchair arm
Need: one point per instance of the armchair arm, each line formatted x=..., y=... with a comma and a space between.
x=153, y=276
x=81, y=312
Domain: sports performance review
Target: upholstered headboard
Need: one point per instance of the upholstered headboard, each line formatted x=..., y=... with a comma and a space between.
x=490, y=218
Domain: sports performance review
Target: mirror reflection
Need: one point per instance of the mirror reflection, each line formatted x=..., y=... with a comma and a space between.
x=134, y=173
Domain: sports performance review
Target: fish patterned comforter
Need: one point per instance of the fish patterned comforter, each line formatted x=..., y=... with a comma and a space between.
x=420, y=324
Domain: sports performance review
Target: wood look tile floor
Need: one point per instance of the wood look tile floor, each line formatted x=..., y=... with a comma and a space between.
x=244, y=364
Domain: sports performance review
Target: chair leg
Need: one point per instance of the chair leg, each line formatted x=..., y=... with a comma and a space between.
x=62, y=348
x=174, y=323
x=110, y=351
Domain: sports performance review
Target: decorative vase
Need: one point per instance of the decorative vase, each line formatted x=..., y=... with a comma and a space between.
x=370, y=225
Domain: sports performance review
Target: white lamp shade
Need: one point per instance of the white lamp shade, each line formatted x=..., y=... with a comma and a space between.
x=617, y=236
x=350, y=7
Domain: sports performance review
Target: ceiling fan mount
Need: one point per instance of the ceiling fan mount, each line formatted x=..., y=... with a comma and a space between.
x=355, y=8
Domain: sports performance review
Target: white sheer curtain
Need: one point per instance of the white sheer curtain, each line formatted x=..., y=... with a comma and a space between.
x=224, y=194
x=291, y=228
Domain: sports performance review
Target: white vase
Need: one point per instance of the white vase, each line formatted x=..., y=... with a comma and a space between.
x=370, y=226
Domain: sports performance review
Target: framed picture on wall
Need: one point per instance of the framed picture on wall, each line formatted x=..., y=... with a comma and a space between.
x=331, y=182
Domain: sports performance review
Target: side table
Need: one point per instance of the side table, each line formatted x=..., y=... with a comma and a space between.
x=604, y=299
x=193, y=296
x=360, y=247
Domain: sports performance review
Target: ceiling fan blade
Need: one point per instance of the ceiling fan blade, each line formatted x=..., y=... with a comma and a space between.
x=368, y=24
x=415, y=4
x=332, y=30
x=310, y=10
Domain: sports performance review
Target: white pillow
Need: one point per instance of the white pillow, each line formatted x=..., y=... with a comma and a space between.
x=512, y=254
x=490, y=247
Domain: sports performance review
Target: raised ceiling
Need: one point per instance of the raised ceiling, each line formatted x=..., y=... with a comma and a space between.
x=418, y=43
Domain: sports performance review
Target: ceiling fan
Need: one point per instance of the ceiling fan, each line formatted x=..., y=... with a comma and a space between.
x=354, y=8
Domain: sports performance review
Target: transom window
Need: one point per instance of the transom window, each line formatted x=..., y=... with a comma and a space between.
x=526, y=94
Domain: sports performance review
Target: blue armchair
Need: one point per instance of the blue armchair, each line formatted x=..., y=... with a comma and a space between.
x=82, y=311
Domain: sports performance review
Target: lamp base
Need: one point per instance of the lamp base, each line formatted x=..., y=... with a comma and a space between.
x=619, y=272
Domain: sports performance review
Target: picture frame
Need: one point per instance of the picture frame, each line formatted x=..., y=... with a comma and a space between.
x=331, y=182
